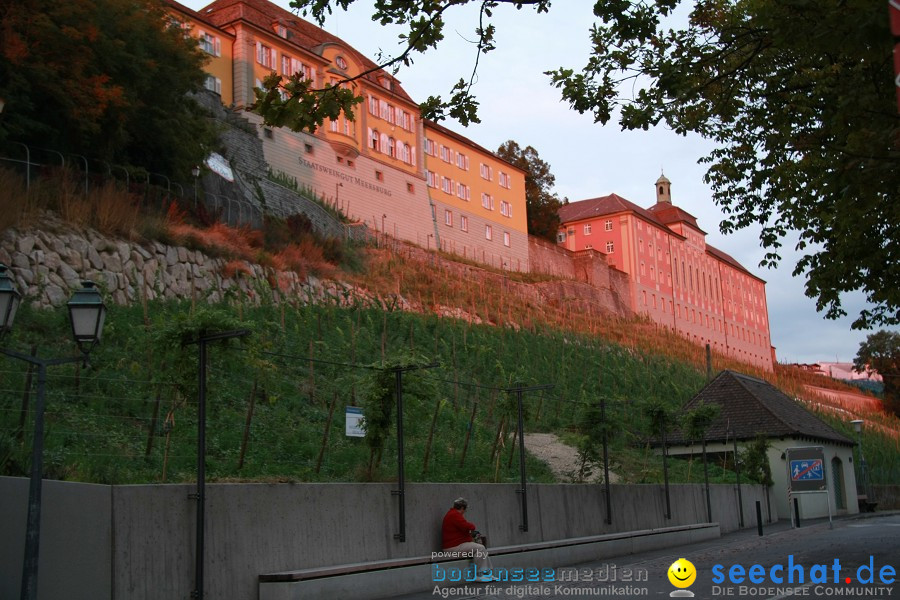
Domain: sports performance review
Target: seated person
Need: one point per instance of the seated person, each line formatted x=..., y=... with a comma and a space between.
x=457, y=536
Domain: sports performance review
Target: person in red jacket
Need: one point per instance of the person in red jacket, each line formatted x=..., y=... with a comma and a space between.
x=457, y=536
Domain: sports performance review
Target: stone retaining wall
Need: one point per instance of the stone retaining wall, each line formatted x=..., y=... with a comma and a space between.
x=49, y=263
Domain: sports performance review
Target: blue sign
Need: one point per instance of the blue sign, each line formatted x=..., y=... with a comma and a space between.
x=807, y=470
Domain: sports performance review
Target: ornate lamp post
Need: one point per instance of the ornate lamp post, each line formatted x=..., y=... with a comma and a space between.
x=87, y=314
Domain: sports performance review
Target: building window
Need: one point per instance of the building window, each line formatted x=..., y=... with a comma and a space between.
x=374, y=141
x=431, y=179
x=561, y=237
x=448, y=218
x=488, y=232
x=445, y=153
x=391, y=148
x=607, y=225
x=340, y=62
x=464, y=223
x=264, y=55
x=487, y=201
x=587, y=229
x=506, y=238
x=446, y=185
x=610, y=247
x=410, y=188
x=379, y=175
x=462, y=161
x=405, y=120
x=210, y=44
x=504, y=180
x=505, y=208
x=267, y=133
x=487, y=172
x=213, y=84
x=462, y=191
x=429, y=147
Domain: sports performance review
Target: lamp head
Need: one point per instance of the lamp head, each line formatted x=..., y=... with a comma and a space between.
x=87, y=314
x=857, y=425
x=9, y=300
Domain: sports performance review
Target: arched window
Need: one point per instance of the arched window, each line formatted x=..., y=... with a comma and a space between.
x=375, y=140
x=391, y=148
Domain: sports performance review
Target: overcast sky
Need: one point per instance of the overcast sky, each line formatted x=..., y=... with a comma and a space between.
x=590, y=160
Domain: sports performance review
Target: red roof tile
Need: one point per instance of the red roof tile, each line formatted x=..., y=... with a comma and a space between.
x=749, y=407
x=264, y=15
x=669, y=213
x=605, y=205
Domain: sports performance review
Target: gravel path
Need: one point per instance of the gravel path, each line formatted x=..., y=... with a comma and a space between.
x=562, y=458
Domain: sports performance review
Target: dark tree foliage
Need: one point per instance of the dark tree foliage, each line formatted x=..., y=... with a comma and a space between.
x=881, y=353
x=542, y=204
x=798, y=96
x=106, y=79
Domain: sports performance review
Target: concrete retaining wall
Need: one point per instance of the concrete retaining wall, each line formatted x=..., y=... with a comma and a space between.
x=137, y=542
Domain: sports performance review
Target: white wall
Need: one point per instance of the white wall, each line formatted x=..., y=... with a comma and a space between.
x=813, y=506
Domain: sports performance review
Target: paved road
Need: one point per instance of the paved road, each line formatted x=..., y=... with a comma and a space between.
x=723, y=567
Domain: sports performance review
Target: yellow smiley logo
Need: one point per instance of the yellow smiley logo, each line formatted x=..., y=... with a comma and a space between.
x=682, y=573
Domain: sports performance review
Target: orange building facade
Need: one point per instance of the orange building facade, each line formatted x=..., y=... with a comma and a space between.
x=378, y=166
x=217, y=44
x=677, y=279
x=478, y=200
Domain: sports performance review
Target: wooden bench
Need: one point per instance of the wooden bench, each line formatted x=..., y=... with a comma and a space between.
x=864, y=504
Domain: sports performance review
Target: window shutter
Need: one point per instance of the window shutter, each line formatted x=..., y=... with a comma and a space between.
x=369, y=137
x=218, y=46
x=384, y=142
x=413, y=156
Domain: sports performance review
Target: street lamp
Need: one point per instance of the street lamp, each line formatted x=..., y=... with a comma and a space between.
x=87, y=314
x=202, y=340
x=195, y=171
x=863, y=468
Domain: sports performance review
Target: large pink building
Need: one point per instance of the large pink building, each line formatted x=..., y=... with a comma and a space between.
x=677, y=279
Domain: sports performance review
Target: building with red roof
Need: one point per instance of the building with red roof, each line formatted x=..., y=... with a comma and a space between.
x=677, y=279
x=385, y=166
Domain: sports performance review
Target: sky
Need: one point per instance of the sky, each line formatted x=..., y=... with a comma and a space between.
x=590, y=160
